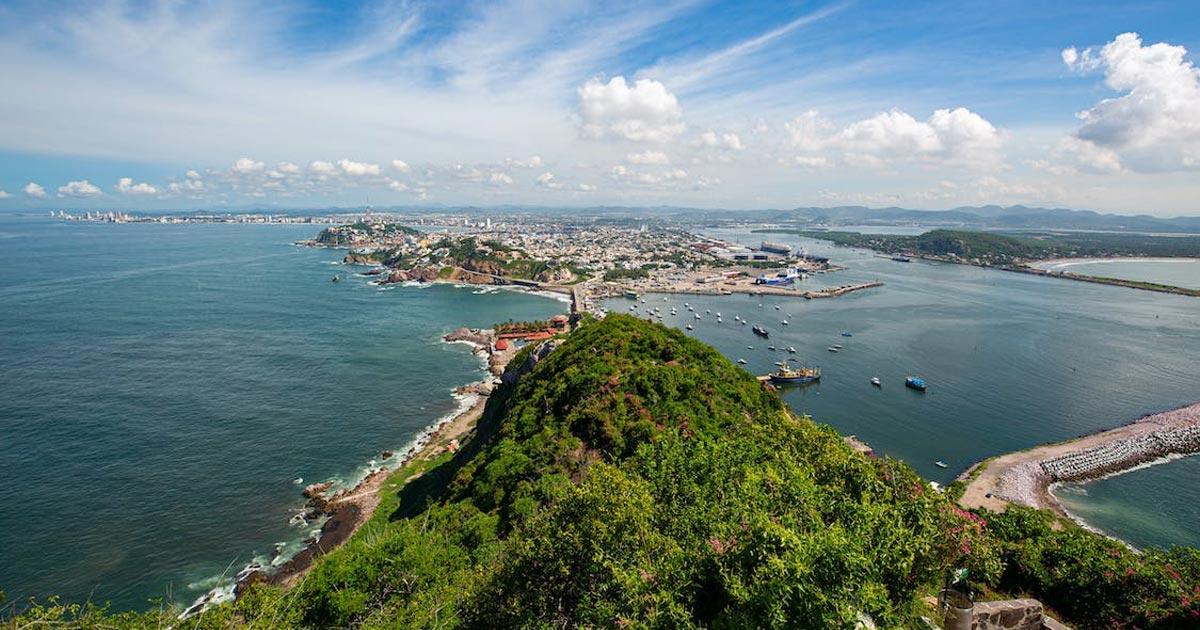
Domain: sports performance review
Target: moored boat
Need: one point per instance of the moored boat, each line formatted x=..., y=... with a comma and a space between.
x=875, y=381
x=915, y=382
x=787, y=374
x=760, y=331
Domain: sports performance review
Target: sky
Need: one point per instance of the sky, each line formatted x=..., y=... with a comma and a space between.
x=160, y=104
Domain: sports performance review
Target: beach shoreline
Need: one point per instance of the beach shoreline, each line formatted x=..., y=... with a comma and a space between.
x=1028, y=477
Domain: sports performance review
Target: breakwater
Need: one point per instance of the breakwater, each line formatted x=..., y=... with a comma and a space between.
x=1025, y=477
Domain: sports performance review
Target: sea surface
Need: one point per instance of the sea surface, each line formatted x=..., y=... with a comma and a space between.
x=1179, y=272
x=1012, y=361
x=162, y=388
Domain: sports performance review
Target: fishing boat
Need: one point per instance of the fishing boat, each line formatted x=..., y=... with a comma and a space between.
x=631, y=294
x=875, y=381
x=847, y=333
x=697, y=315
x=787, y=374
x=792, y=349
x=760, y=331
x=771, y=348
x=831, y=349
x=915, y=382
x=784, y=322
x=940, y=464
x=741, y=361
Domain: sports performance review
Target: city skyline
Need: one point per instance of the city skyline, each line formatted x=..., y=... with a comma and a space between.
x=181, y=105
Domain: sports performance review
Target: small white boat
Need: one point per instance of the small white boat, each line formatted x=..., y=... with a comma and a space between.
x=718, y=313
x=742, y=361
x=875, y=381
x=940, y=464
x=718, y=319
x=784, y=322
x=792, y=349
x=707, y=312
x=838, y=346
x=632, y=307
x=697, y=315
x=743, y=322
x=831, y=349
x=777, y=307
x=749, y=347
x=770, y=347
x=689, y=326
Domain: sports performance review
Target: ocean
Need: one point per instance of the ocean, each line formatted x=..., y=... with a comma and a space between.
x=1012, y=361
x=162, y=387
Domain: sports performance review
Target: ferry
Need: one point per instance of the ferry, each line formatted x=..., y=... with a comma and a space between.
x=786, y=374
x=875, y=381
x=915, y=382
x=760, y=331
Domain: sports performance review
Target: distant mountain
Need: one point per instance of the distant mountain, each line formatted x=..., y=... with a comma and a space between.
x=997, y=217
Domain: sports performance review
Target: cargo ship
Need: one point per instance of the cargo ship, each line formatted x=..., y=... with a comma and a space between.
x=787, y=276
x=786, y=374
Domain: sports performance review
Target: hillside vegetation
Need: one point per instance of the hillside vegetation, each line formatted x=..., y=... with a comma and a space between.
x=635, y=477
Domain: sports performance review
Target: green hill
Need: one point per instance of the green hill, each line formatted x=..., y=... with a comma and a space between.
x=635, y=477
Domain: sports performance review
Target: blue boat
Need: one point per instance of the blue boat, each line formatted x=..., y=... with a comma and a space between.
x=847, y=333
x=915, y=382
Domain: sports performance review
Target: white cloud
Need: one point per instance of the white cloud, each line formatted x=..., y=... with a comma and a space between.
x=4, y=194
x=587, y=188
x=321, y=168
x=358, y=169
x=500, y=179
x=957, y=136
x=32, y=189
x=644, y=111
x=808, y=161
x=546, y=180
x=125, y=186
x=401, y=166
x=192, y=174
x=1154, y=125
x=648, y=157
x=534, y=161
x=666, y=178
x=246, y=166
x=397, y=186
x=726, y=140
x=79, y=189
x=286, y=168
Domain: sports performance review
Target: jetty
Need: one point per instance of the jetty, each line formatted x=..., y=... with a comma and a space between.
x=1026, y=477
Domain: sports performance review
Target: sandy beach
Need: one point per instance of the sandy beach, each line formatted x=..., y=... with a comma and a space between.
x=1025, y=477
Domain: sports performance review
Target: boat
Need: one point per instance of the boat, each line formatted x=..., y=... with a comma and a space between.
x=697, y=315
x=875, y=381
x=784, y=322
x=749, y=347
x=770, y=347
x=792, y=349
x=741, y=361
x=787, y=374
x=336, y=279
x=631, y=294
x=743, y=322
x=689, y=326
x=847, y=333
x=719, y=319
x=777, y=307
x=838, y=346
x=940, y=464
x=831, y=349
x=760, y=331
x=707, y=312
x=901, y=259
x=718, y=314
x=915, y=382
x=632, y=307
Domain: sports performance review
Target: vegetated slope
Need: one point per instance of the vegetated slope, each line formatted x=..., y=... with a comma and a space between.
x=637, y=475
x=634, y=476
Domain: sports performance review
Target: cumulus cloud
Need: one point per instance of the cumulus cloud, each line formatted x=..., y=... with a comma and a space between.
x=79, y=189
x=321, y=168
x=643, y=111
x=666, y=178
x=397, y=186
x=192, y=174
x=712, y=139
x=285, y=168
x=948, y=135
x=1154, y=125
x=358, y=169
x=534, y=161
x=587, y=188
x=34, y=190
x=401, y=166
x=4, y=194
x=648, y=157
x=246, y=166
x=546, y=180
x=125, y=186
x=500, y=179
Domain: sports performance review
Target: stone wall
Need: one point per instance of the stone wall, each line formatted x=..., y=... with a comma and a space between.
x=1011, y=614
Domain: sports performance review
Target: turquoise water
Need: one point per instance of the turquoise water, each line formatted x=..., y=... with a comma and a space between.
x=1158, y=518
x=1179, y=272
x=161, y=387
x=1012, y=361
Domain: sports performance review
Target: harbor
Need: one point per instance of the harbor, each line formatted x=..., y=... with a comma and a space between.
x=1028, y=477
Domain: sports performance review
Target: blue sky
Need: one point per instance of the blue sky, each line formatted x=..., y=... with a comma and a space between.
x=157, y=104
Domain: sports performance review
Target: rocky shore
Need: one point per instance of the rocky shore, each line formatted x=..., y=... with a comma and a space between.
x=1026, y=477
x=348, y=509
